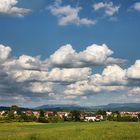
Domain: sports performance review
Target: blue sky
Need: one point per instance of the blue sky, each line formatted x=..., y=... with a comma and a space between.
x=41, y=27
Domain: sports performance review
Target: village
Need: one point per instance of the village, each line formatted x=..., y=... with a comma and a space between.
x=14, y=113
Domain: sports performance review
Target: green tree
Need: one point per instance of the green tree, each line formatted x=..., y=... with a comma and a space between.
x=75, y=115
x=14, y=107
x=42, y=120
x=24, y=116
x=139, y=116
x=42, y=113
x=11, y=115
x=101, y=112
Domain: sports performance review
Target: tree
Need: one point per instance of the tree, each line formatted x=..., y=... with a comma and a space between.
x=101, y=112
x=75, y=115
x=42, y=113
x=11, y=115
x=14, y=107
x=116, y=112
x=54, y=119
x=24, y=116
x=42, y=120
x=139, y=116
x=54, y=113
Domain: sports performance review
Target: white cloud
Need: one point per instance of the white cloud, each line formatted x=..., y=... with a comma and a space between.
x=69, y=15
x=66, y=74
x=136, y=6
x=113, y=78
x=39, y=87
x=134, y=71
x=55, y=75
x=29, y=75
x=93, y=55
x=109, y=8
x=135, y=90
x=29, y=62
x=111, y=75
x=8, y=7
x=5, y=52
x=69, y=75
x=88, y=87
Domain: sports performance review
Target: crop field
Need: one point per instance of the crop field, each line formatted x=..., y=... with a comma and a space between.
x=71, y=131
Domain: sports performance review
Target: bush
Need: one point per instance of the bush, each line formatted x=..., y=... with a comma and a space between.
x=90, y=120
x=123, y=119
x=54, y=119
x=75, y=115
x=42, y=120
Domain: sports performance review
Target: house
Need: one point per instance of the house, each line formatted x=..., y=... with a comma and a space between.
x=90, y=118
x=108, y=113
x=94, y=118
x=62, y=114
x=2, y=112
x=82, y=116
x=29, y=112
x=36, y=114
x=99, y=117
x=49, y=113
x=130, y=113
x=14, y=112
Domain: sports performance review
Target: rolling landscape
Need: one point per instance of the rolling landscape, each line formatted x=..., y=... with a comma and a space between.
x=112, y=107
x=69, y=69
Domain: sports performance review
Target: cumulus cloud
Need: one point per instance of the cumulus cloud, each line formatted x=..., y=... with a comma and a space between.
x=135, y=90
x=66, y=74
x=9, y=7
x=5, y=52
x=29, y=75
x=109, y=8
x=134, y=71
x=111, y=79
x=41, y=87
x=69, y=15
x=136, y=6
x=69, y=75
x=111, y=75
x=93, y=55
x=88, y=88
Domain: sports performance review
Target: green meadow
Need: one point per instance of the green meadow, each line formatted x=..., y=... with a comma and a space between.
x=70, y=131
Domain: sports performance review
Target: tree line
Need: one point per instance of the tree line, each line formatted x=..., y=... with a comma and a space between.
x=75, y=115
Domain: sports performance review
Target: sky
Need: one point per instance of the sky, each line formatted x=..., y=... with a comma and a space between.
x=84, y=52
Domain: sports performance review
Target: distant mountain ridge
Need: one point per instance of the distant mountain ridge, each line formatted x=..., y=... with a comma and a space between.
x=120, y=107
x=62, y=107
x=8, y=108
x=111, y=107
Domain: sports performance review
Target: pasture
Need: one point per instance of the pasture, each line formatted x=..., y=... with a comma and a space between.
x=70, y=131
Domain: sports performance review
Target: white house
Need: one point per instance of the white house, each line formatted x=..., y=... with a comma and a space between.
x=108, y=113
x=94, y=118
x=2, y=112
x=91, y=118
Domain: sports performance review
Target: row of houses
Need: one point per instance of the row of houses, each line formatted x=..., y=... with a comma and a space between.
x=62, y=115
x=83, y=116
x=37, y=113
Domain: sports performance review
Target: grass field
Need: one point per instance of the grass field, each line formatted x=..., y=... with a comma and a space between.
x=70, y=131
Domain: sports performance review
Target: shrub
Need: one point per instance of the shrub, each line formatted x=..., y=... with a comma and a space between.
x=54, y=119
x=42, y=120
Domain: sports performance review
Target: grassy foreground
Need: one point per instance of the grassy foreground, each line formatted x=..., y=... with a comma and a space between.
x=70, y=131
